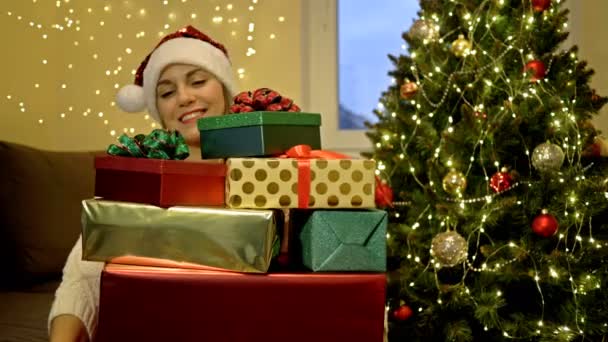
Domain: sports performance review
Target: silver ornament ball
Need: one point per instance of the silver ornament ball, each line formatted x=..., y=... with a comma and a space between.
x=423, y=29
x=449, y=249
x=547, y=157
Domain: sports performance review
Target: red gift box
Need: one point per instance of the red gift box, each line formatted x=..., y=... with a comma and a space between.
x=163, y=183
x=159, y=304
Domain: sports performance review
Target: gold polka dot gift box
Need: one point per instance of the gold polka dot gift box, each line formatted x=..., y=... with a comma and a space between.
x=300, y=183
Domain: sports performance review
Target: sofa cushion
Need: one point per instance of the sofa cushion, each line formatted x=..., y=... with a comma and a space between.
x=40, y=210
x=24, y=315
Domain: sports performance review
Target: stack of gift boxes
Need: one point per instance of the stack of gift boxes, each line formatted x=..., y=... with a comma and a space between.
x=191, y=247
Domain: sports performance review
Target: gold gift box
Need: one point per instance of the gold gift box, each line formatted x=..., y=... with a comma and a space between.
x=121, y=232
x=273, y=183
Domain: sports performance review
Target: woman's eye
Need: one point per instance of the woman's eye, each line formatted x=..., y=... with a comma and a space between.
x=166, y=94
x=199, y=82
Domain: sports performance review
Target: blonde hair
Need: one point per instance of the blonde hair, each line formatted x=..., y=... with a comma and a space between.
x=227, y=99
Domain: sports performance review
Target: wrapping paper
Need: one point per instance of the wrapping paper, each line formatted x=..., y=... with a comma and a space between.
x=349, y=240
x=193, y=305
x=279, y=183
x=163, y=183
x=238, y=240
x=257, y=134
x=160, y=144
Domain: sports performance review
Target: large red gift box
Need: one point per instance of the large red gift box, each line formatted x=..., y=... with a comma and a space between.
x=163, y=183
x=166, y=304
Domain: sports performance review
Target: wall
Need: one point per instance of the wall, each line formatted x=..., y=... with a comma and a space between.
x=588, y=24
x=81, y=115
x=276, y=64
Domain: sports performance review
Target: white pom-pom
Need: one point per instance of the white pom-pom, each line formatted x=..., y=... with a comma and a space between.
x=130, y=98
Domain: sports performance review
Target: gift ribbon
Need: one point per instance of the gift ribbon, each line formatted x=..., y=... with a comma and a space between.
x=159, y=144
x=303, y=154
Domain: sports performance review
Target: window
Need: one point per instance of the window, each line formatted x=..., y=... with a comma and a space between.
x=345, y=47
x=320, y=59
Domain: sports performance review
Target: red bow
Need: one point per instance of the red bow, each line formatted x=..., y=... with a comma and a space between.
x=306, y=152
x=303, y=153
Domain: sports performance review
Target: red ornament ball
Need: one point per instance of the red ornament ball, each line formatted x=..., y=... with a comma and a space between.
x=501, y=181
x=537, y=68
x=403, y=313
x=408, y=90
x=593, y=151
x=384, y=194
x=545, y=225
x=540, y=5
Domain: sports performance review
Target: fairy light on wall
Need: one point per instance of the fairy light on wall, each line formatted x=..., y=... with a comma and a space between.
x=85, y=28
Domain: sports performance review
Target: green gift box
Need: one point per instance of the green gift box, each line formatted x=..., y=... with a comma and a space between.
x=257, y=134
x=343, y=240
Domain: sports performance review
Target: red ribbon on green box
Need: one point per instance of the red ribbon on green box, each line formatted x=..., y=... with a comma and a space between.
x=304, y=153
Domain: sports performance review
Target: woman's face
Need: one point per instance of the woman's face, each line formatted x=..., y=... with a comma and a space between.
x=186, y=93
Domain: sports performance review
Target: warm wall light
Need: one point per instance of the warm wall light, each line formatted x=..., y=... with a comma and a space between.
x=89, y=28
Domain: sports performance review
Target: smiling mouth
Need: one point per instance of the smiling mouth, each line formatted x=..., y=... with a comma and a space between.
x=193, y=115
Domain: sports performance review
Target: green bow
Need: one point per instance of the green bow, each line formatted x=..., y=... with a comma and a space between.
x=159, y=144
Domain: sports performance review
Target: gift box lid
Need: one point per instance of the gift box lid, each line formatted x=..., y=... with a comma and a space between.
x=160, y=166
x=259, y=118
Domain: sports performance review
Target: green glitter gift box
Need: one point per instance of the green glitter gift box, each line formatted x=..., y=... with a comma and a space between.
x=343, y=240
x=257, y=134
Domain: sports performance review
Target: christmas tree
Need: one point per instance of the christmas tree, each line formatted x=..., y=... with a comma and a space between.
x=496, y=226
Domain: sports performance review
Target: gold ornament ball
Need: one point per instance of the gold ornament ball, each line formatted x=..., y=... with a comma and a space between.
x=409, y=90
x=454, y=183
x=449, y=249
x=461, y=46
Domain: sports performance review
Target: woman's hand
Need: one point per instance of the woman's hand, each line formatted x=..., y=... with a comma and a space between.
x=68, y=328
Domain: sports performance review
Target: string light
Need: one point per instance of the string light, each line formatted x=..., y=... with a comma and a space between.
x=89, y=28
x=436, y=83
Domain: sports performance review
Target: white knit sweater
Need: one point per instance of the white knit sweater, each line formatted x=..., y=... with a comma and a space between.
x=78, y=293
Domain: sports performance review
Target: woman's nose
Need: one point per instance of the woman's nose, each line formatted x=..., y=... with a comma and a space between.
x=185, y=96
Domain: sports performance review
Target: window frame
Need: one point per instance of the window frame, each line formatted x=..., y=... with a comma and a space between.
x=319, y=55
x=320, y=67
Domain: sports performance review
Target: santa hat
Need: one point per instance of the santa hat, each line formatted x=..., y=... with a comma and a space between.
x=186, y=46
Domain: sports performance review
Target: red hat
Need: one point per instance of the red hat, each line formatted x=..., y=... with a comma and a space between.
x=186, y=46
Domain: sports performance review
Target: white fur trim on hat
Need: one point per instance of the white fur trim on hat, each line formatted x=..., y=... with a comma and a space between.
x=185, y=51
x=130, y=98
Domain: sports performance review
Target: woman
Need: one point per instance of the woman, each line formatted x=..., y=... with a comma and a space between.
x=187, y=76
